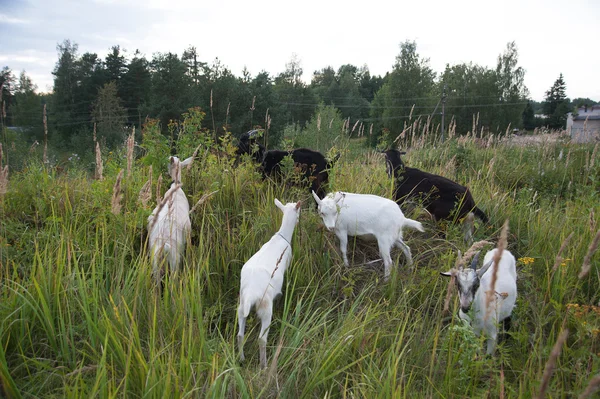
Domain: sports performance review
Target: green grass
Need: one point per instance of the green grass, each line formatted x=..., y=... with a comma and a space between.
x=79, y=316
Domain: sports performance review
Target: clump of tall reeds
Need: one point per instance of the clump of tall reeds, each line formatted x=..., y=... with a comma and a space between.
x=117, y=195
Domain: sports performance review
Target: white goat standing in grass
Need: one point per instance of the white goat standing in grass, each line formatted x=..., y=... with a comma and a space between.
x=262, y=278
x=369, y=216
x=169, y=224
x=473, y=286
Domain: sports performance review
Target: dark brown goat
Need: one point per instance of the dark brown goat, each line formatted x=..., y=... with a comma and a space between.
x=440, y=196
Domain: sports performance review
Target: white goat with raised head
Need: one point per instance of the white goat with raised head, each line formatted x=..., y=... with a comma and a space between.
x=473, y=286
x=169, y=224
x=368, y=216
x=262, y=278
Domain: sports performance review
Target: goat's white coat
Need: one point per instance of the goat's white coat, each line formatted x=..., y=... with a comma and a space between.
x=170, y=229
x=504, y=299
x=262, y=278
x=367, y=216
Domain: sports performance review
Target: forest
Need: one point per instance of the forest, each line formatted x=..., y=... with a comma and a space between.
x=105, y=97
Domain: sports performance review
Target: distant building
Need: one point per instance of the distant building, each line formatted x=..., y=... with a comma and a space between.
x=584, y=125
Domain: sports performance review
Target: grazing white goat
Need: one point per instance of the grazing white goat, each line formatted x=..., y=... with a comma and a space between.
x=368, y=216
x=169, y=224
x=473, y=286
x=262, y=278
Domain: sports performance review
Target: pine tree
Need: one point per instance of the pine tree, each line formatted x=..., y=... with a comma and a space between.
x=556, y=104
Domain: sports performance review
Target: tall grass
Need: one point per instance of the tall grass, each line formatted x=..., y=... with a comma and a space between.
x=79, y=316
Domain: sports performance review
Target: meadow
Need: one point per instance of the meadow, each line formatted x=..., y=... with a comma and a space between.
x=80, y=316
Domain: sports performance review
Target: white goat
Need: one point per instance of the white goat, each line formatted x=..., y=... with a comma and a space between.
x=262, y=278
x=368, y=216
x=169, y=224
x=473, y=286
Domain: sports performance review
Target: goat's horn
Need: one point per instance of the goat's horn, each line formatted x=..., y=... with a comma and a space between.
x=475, y=261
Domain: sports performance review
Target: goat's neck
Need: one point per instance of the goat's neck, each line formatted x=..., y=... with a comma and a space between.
x=288, y=224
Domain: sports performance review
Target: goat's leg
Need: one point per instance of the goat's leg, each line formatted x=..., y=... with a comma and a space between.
x=491, y=344
x=265, y=313
x=405, y=248
x=343, y=237
x=384, y=251
x=241, y=331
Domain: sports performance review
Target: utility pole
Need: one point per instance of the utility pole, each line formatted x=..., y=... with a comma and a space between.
x=443, y=110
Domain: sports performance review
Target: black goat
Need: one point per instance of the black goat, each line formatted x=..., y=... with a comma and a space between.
x=440, y=196
x=312, y=163
x=248, y=144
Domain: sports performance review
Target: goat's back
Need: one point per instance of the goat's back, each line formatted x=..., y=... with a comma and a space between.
x=366, y=214
x=261, y=275
x=505, y=288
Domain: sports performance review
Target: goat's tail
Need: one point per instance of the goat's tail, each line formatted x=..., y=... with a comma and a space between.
x=479, y=213
x=413, y=224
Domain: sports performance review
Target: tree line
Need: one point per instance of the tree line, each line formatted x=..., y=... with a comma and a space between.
x=123, y=90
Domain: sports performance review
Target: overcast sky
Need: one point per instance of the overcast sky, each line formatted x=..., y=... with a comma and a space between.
x=552, y=36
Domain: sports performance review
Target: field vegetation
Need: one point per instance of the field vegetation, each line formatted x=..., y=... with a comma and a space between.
x=80, y=316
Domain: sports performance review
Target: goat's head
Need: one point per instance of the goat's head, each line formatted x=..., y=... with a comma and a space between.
x=329, y=208
x=291, y=208
x=175, y=166
x=393, y=161
x=467, y=281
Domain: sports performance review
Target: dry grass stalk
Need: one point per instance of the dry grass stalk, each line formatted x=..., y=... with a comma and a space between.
x=585, y=267
x=591, y=388
x=159, y=189
x=167, y=199
x=319, y=122
x=559, y=258
x=411, y=112
x=202, y=200
x=491, y=294
x=3, y=176
x=94, y=134
x=353, y=127
x=45, y=120
x=568, y=158
x=194, y=155
x=551, y=363
x=146, y=192
x=476, y=247
x=117, y=195
x=593, y=158
x=592, y=221
x=32, y=147
x=449, y=292
x=130, y=145
x=371, y=130
x=99, y=166
x=490, y=167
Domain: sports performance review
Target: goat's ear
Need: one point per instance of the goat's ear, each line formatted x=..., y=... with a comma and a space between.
x=484, y=268
x=279, y=204
x=316, y=197
x=338, y=196
x=446, y=274
x=298, y=204
x=188, y=161
x=171, y=160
